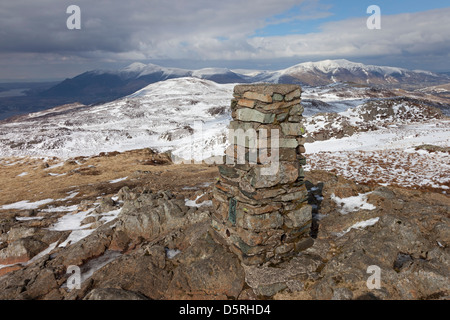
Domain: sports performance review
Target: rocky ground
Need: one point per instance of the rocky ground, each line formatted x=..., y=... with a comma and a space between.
x=148, y=237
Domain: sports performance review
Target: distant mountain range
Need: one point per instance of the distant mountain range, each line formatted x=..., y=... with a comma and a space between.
x=102, y=86
x=97, y=86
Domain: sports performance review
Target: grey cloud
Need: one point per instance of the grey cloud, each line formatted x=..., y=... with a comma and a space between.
x=120, y=26
x=33, y=33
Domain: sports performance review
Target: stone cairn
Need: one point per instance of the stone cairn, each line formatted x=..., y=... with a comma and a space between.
x=260, y=201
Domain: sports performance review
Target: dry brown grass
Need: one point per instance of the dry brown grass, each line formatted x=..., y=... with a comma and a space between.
x=90, y=176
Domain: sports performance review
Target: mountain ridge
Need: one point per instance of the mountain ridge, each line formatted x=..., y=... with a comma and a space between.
x=101, y=86
x=308, y=73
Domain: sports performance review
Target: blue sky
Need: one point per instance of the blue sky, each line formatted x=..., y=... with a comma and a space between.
x=328, y=11
x=35, y=42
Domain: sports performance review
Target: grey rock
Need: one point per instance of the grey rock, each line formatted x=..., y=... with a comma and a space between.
x=21, y=250
x=113, y=294
x=151, y=215
x=342, y=294
x=206, y=270
x=270, y=290
x=254, y=116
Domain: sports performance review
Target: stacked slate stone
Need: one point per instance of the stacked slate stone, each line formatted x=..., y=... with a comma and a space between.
x=264, y=217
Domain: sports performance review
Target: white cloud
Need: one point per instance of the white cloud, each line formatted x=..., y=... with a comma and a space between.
x=409, y=34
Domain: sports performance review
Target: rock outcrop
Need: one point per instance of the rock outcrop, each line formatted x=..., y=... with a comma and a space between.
x=409, y=242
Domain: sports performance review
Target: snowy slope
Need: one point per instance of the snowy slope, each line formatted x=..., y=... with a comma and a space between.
x=161, y=115
x=389, y=155
x=332, y=66
x=377, y=142
x=335, y=71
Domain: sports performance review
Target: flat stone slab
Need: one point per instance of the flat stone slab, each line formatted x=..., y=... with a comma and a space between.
x=254, y=116
x=267, y=89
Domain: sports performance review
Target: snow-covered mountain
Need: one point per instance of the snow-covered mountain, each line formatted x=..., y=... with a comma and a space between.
x=100, y=86
x=332, y=71
x=117, y=83
x=162, y=115
x=106, y=85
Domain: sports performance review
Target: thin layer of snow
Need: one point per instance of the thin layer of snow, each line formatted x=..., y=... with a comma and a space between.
x=111, y=215
x=350, y=204
x=118, y=180
x=28, y=218
x=2, y=266
x=404, y=136
x=402, y=167
x=22, y=174
x=57, y=165
x=71, y=221
x=61, y=209
x=172, y=253
x=42, y=253
x=135, y=67
x=71, y=195
x=330, y=66
x=57, y=174
x=35, y=258
x=26, y=205
x=160, y=116
x=75, y=236
x=360, y=225
x=192, y=203
x=93, y=265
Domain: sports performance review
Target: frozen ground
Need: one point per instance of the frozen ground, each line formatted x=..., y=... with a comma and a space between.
x=388, y=156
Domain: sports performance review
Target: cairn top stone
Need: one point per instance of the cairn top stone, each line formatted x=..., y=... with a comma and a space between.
x=266, y=88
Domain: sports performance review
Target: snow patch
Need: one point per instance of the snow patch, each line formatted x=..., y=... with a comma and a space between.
x=71, y=195
x=360, y=225
x=192, y=203
x=172, y=253
x=352, y=204
x=75, y=236
x=42, y=253
x=26, y=205
x=118, y=180
x=109, y=216
x=61, y=209
x=71, y=221
x=28, y=218
x=93, y=265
